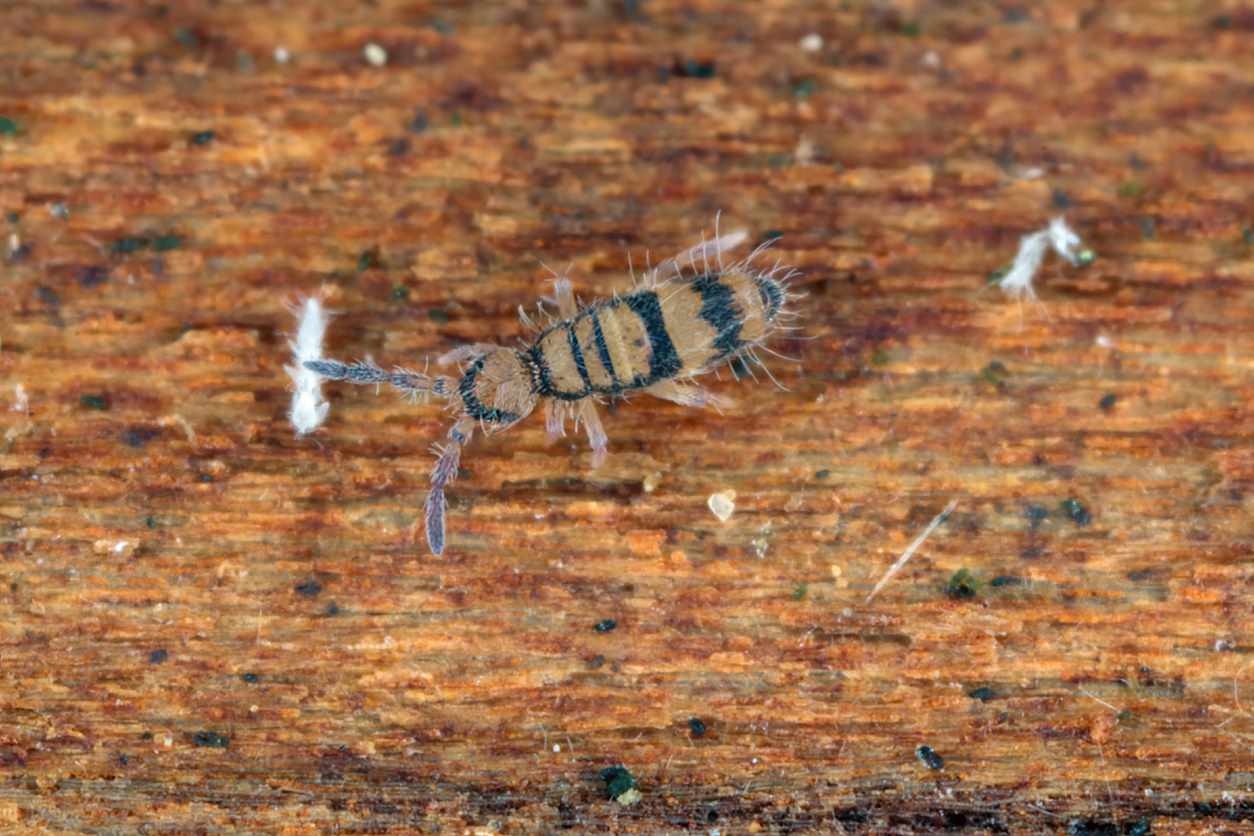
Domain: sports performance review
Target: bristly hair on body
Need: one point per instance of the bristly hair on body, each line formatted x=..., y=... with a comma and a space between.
x=692, y=314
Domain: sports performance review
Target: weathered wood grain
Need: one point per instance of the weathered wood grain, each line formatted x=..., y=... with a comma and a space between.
x=210, y=624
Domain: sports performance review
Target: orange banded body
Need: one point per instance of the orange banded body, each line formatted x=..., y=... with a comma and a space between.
x=634, y=341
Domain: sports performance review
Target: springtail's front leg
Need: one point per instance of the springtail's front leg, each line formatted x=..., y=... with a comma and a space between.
x=445, y=471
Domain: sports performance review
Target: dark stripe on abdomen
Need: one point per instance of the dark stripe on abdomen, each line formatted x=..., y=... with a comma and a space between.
x=664, y=361
x=580, y=365
x=718, y=308
x=603, y=348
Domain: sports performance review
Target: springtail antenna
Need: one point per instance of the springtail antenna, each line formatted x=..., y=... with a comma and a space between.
x=414, y=384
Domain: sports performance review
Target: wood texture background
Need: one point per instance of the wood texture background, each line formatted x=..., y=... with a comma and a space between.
x=210, y=624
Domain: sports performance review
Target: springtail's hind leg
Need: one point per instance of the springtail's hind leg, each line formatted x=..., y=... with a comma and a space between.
x=555, y=414
x=701, y=258
x=414, y=384
x=445, y=471
x=587, y=413
x=689, y=395
x=463, y=353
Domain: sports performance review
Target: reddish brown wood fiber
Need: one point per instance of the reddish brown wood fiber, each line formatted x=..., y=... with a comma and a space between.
x=211, y=624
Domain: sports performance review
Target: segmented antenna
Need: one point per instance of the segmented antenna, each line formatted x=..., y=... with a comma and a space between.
x=414, y=384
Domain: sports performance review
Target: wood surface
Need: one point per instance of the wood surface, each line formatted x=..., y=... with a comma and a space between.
x=210, y=624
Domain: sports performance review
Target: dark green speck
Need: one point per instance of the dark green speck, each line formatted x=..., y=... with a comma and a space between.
x=928, y=757
x=99, y=402
x=126, y=246
x=309, y=588
x=804, y=88
x=983, y=693
x=165, y=243
x=995, y=372
x=368, y=259
x=605, y=626
x=202, y=137
x=7, y=126
x=1076, y=512
x=212, y=739
x=962, y=586
x=1107, y=403
x=617, y=780
x=691, y=68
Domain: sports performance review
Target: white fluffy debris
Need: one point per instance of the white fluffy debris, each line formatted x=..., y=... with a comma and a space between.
x=812, y=42
x=309, y=410
x=912, y=548
x=722, y=505
x=1061, y=238
x=21, y=401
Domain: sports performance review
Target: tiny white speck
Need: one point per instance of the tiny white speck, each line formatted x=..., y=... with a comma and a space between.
x=722, y=505
x=168, y=741
x=932, y=59
x=120, y=546
x=812, y=42
x=59, y=211
x=803, y=154
x=376, y=56
x=281, y=55
x=15, y=244
x=557, y=747
x=21, y=402
x=1104, y=341
x=252, y=709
